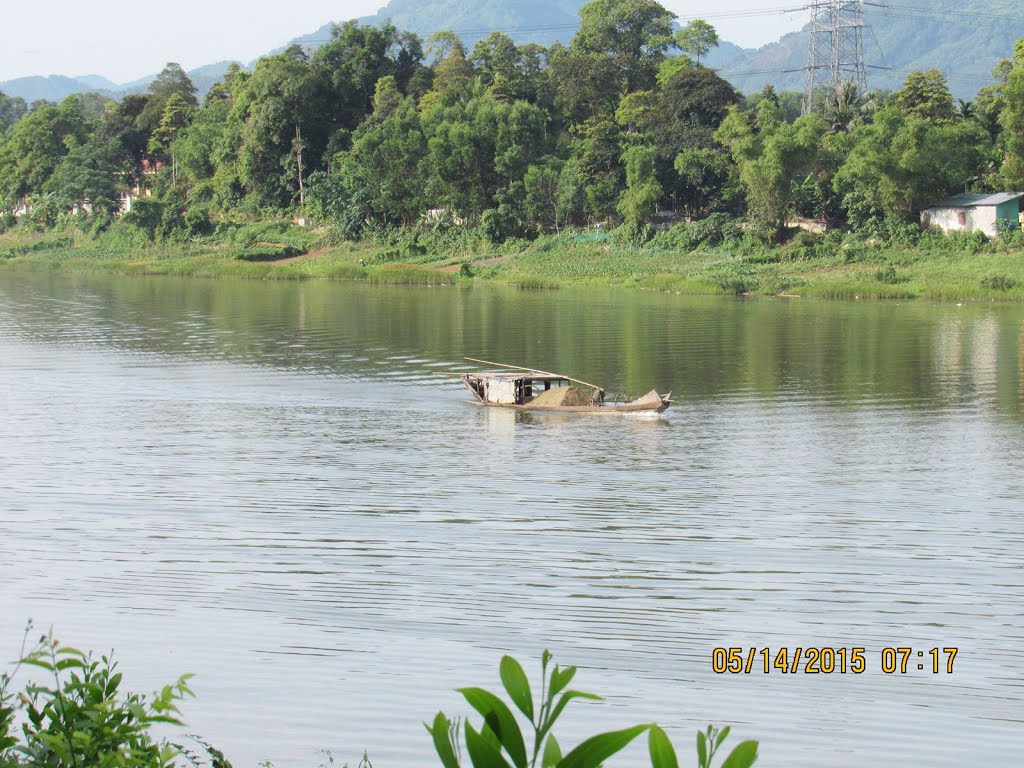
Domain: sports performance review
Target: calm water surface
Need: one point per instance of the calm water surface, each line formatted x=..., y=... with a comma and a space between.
x=282, y=489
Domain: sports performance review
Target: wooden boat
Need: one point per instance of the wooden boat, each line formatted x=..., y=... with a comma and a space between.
x=527, y=389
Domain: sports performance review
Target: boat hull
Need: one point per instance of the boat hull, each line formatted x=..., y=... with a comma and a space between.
x=652, y=402
x=514, y=391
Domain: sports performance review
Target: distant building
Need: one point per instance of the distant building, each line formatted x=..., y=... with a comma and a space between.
x=975, y=213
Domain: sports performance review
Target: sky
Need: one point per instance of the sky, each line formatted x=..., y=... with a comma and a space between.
x=124, y=41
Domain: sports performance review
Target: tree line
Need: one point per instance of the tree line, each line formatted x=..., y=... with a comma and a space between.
x=378, y=128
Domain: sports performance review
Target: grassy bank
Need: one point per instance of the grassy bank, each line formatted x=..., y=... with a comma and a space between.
x=935, y=267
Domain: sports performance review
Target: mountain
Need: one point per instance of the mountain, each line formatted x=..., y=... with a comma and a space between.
x=963, y=41
x=98, y=83
x=58, y=87
x=54, y=87
x=525, y=21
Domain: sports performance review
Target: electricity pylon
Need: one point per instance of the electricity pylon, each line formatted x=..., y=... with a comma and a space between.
x=836, y=53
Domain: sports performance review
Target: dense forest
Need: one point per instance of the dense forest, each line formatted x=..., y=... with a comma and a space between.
x=378, y=129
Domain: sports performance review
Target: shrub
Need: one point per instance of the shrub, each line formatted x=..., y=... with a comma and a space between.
x=716, y=229
x=888, y=276
x=677, y=238
x=999, y=283
x=197, y=221
x=145, y=216
x=1013, y=237
x=954, y=242
x=80, y=718
x=493, y=225
x=633, y=235
x=735, y=277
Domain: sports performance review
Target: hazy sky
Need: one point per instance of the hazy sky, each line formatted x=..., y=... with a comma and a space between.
x=125, y=41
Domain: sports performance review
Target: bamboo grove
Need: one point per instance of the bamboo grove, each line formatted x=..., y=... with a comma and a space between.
x=379, y=129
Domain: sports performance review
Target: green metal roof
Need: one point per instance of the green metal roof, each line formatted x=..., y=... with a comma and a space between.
x=975, y=200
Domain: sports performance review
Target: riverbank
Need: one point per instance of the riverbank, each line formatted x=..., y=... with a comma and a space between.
x=935, y=268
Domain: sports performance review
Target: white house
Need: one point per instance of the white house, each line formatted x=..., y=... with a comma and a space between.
x=974, y=212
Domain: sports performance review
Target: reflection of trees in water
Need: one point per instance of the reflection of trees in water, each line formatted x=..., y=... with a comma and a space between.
x=628, y=341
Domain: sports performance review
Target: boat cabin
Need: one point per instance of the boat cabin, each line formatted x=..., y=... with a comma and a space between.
x=532, y=388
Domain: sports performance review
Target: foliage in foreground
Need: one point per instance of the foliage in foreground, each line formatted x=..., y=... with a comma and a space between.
x=500, y=742
x=80, y=718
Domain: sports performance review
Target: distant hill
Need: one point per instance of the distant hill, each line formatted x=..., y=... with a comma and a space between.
x=964, y=41
x=54, y=87
x=525, y=21
x=59, y=87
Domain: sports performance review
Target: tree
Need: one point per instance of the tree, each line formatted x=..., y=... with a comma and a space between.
x=452, y=72
x=349, y=67
x=637, y=114
x=172, y=81
x=643, y=192
x=199, y=148
x=696, y=39
x=496, y=60
x=899, y=164
x=1011, y=120
x=843, y=107
x=386, y=98
x=600, y=172
x=225, y=88
x=540, y=184
x=688, y=111
x=37, y=144
x=703, y=175
x=571, y=202
x=510, y=72
x=925, y=95
x=586, y=84
x=771, y=156
x=381, y=174
x=279, y=110
x=120, y=124
x=176, y=117
x=632, y=34
x=12, y=109
x=457, y=165
x=690, y=108
x=91, y=173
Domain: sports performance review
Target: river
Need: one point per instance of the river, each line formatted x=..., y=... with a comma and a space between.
x=283, y=489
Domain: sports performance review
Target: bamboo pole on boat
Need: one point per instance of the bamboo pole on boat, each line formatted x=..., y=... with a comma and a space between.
x=533, y=370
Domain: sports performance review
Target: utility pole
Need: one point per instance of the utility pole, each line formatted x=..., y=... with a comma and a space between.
x=836, y=51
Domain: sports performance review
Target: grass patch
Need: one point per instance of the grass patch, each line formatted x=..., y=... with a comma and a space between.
x=836, y=267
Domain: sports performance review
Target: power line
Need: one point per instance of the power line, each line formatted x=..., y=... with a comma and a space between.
x=943, y=14
x=980, y=78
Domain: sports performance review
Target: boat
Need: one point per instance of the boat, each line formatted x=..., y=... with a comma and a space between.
x=527, y=389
